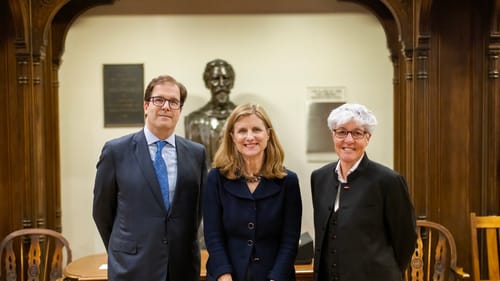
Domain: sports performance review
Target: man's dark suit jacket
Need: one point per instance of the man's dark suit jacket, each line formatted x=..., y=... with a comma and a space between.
x=141, y=238
x=375, y=223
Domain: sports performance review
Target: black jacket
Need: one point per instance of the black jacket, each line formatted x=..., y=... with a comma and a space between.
x=375, y=224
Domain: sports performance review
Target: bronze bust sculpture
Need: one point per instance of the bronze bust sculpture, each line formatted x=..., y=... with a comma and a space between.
x=205, y=125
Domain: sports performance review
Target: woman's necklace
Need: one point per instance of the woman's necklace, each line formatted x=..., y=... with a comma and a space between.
x=253, y=179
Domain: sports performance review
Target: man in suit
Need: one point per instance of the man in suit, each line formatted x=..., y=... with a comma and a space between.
x=148, y=220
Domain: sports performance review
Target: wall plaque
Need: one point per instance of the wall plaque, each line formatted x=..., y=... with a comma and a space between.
x=123, y=95
x=321, y=101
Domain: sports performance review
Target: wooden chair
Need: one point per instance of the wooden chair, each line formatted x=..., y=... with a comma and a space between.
x=435, y=255
x=485, y=242
x=33, y=254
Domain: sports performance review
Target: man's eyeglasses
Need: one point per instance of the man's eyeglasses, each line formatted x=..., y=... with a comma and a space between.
x=173, y=104
x=355, y=134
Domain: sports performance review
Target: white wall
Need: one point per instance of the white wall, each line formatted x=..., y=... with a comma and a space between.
x=276, y=57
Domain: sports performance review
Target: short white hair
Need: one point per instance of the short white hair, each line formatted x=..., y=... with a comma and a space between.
x=352, y=112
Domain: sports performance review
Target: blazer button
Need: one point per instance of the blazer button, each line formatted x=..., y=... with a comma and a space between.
x=251, y=225
x=164, y=241
x=250, y=243
x=256, y=259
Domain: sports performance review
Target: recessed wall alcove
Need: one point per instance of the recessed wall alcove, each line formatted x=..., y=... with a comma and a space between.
x=277, y=55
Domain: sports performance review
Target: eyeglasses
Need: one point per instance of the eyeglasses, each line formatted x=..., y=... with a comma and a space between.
x=173, y=104
x=355, y=134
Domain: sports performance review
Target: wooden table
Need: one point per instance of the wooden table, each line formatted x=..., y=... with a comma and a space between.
x=94, y=268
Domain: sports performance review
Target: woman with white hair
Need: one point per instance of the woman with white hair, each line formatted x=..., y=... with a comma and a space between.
x=364, y=220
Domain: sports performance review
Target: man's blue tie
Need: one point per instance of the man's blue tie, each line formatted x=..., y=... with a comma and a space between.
x=161, y=173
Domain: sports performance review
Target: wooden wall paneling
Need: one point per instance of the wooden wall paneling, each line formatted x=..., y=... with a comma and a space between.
x=491, y=120
x=399, y=102
x=5, y=58
x=15, y=134
x=29, y=128
x=43, y=191
x=12, y=138
x=399, y=119
x=403, y=13
x=29, y=92
x=439, y=106
x=401, y=123
x=202, y=7
x=408, y=130
x=30, y=178
x=51, y=132
x=427, y=115
x=20, y=147
x=29, y=116
x=459, y=136
x=35, y=112
x=19, y=22
x=479, y=99
x=451, y=129
x=423, y=136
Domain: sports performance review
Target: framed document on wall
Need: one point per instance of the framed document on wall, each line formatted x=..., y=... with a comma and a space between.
x=123, y=86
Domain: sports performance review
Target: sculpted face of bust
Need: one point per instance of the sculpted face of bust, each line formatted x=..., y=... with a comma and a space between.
x=219, y=79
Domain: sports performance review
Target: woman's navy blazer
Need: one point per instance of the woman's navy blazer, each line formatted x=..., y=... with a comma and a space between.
x=261, y=229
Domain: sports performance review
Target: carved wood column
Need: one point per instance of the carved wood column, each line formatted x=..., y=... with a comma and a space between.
x=37, y=32
x=31, y=141
x=408, y=132
x=425, y=107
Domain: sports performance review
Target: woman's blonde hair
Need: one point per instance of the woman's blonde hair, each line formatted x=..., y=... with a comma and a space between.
x=228, y=159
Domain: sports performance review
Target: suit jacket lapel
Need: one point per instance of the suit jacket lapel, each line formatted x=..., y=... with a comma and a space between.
x=141, y=151
x=237, y=189
x=182, y=173
x=268, y=188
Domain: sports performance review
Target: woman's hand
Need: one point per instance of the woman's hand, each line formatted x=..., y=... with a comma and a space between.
x=225, y=277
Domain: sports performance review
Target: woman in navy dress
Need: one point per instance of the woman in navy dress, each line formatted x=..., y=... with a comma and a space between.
x=252, y=204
